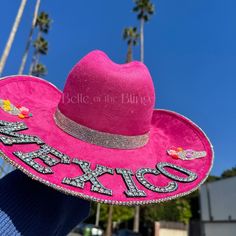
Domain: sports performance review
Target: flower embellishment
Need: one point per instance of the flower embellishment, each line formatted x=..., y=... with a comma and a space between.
x=188, y=154
x=25, y=113
x=6, y=105
x=18, y=110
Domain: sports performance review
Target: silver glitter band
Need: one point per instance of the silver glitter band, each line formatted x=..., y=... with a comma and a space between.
x=97, y=137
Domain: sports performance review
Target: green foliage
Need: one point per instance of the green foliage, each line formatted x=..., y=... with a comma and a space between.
x=212, y=178
x=144, y=9
x=39, y=70
x=175, y=210
x=229, y=173
x=193, y=200
x=41, y=45
x=180, y=210
x=120, y=213
x=131, y=35
x=43, y=22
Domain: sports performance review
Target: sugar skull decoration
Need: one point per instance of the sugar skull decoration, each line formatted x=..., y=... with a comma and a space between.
x=187, y=155
x=18, y=110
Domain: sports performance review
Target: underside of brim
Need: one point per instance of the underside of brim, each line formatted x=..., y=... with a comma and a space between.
x=168, y=129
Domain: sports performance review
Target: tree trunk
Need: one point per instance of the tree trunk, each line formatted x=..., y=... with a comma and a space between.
x=98, y=214
x=137, y=208
x=33, y=62
x=142, y=40
x=26, y=52
x=35, y=57
x=129, y=53
x=12, y=36
x=109, y=221
x=136, y=219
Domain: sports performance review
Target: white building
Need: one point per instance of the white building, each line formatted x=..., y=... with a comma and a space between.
x=218, y=208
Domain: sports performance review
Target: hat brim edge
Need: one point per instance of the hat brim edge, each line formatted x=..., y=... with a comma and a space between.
x=114, y=202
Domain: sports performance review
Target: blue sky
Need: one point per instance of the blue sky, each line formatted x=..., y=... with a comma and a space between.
x=190, y=50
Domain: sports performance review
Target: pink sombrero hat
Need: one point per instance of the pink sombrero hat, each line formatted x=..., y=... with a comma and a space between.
x=101, y=138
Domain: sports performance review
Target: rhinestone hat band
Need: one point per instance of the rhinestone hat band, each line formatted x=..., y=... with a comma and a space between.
x=99, y=138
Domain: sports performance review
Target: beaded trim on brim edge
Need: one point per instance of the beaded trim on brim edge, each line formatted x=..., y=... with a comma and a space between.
x=112, y=202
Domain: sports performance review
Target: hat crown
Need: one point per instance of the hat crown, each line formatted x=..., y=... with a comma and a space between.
x=109, y=97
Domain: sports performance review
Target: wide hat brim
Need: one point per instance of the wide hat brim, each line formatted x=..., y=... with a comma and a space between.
x=169, y=129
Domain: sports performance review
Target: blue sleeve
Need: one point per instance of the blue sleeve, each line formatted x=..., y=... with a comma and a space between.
x=30, y=208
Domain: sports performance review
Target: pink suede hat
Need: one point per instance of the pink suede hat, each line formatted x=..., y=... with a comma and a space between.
x=101, y=138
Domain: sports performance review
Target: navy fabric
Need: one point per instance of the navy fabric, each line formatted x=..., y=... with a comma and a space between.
x=30, y=208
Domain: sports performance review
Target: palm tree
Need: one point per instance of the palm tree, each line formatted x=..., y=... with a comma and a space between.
x=12, y=36
x=26, y=52
x=131, y=36
x=41, y=45
x=39, y=70
x=144, y=9
x=43, y=24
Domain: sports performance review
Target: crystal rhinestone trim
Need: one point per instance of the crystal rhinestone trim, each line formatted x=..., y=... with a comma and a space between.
x=28, y=158
x=128, y=202
x=97, y=137
x=90, y=175
x=42, y=154
x=172, y=186
x=191, y=175
x=8, y=128
x=133, y=190
x=191, y=154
